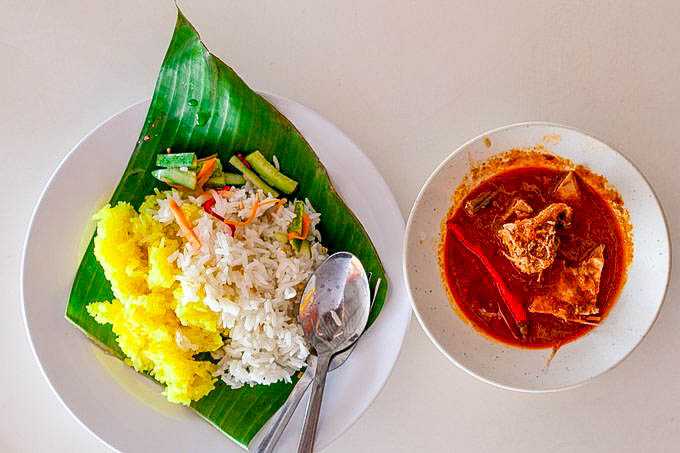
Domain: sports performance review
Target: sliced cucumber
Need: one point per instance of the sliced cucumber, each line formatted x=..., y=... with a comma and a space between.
x=225, y=179
x=305, y=249
x=251, y=176
x=296, y=225
x=176, y=160
x=270, y=174
x=176, y=177
x=296, y=244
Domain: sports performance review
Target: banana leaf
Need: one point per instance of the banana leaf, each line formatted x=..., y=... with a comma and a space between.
x=201, y=105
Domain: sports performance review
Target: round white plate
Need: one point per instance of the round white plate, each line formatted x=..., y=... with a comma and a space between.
x=126, y=410
x=589, y=356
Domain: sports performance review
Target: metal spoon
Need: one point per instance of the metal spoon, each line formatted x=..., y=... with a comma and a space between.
x=268, y=436
x=333, y=314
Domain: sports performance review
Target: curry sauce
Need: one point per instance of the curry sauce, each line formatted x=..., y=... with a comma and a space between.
x=593, y=227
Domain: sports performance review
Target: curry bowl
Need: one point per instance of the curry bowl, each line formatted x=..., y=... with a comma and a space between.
x=575, y=358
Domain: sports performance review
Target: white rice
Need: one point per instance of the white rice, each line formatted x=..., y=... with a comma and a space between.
x=251, y=279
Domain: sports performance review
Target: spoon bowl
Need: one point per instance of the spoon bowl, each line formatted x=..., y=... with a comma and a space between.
x=334, y=311
x=335, y=304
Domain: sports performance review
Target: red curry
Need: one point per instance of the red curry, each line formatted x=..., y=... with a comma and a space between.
x=518, y=298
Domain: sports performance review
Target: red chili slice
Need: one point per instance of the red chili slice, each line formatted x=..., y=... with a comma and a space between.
x=245, y=162
x=512, y=302
x=207, y=207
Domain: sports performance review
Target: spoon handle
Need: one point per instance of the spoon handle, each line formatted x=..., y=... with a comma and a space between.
x=269, y=435
x=314, y=407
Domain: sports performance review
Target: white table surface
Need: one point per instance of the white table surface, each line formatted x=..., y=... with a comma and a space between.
x=409, y=82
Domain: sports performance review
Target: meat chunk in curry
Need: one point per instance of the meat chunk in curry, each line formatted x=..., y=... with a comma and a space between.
x=520, y=209
x=568, y=189
x=575, y=295
x=531, y=244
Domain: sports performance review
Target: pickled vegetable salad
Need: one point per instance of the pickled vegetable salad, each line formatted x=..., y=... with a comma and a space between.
x=206, y=280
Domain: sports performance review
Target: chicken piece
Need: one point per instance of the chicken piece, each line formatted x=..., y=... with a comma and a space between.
x=532, y=243
x=520, y=209
x=575, y=295
x=568, y=189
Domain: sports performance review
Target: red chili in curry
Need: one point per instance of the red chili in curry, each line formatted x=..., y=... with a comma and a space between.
x=579, y=241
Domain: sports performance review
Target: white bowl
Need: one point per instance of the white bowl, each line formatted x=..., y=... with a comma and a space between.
x=125, y=409
x=579, y=361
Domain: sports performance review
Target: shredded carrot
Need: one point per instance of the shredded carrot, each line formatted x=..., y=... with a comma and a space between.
x=253, y=211
x=273, y=202
x=307, y=298
x=306, y=223
x=205, y=172
x=279, y=208
x=251, y=217
x=184, y=224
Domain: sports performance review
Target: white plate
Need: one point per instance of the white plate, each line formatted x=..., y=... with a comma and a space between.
x=591, y=355
x=126, y=410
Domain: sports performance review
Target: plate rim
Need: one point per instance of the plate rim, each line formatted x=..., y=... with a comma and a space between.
x=22, y=271
x=403, y=307
x=406, y=262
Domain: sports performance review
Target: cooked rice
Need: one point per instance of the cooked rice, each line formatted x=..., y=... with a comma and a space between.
x=252, y=280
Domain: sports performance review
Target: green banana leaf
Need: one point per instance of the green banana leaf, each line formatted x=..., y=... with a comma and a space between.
x=201, y=105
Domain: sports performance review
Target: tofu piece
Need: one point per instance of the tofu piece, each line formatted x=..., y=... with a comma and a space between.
x=531, y=244
x=575, y=295
x=568, y=189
